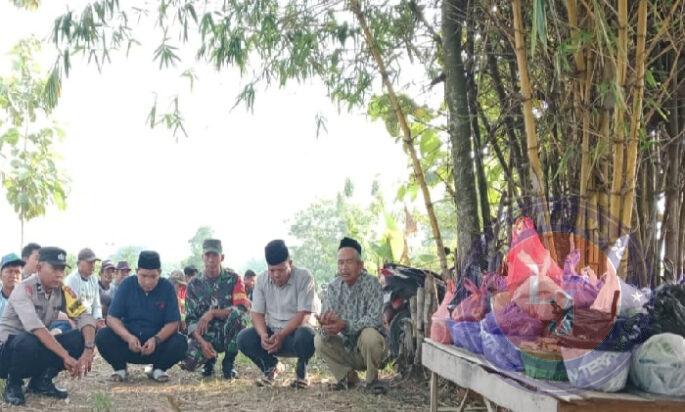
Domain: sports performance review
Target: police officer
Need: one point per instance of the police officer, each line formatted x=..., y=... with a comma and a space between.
x=216, y=307
x=28, y=350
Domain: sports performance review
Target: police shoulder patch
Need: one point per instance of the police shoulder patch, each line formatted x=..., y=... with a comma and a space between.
x=71, y=293
x=28, y=289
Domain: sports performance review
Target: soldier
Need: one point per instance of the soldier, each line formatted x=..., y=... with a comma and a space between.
x=216, y=307
x=27, y=349
x=142, y=323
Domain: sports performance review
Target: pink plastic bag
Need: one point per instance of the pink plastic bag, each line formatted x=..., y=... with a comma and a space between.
x=527, y=255
x=539, y=295
x=605, y=297
x=440, y=328
x=474, y=307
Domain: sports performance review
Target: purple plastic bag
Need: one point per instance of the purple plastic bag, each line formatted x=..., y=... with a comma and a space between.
x=467, y=335
x=497, y=348
x=516, y=324
x=579, y=287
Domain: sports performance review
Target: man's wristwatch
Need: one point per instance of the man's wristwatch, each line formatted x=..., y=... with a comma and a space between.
x=89, y=345
x=157, y=339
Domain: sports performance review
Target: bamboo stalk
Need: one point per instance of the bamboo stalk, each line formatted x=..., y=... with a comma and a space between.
x=638, y=92
x=618, y=146
x=419, y=308
x=536, y=174
x=407, y=138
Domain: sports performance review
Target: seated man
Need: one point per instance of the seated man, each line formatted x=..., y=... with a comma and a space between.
x=284, y=297
x=10, y=273
x=105, y=285
x=215, y=312
x=85, y=285
x=352, y=322
x=27, y=349
x=142, y=324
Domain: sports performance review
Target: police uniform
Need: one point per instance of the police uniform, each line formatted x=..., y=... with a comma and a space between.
x=31, y=307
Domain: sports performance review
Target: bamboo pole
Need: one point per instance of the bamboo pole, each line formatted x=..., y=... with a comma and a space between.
x=636, y=116
x=536, y=174
x=618, y=146
x=407, y=138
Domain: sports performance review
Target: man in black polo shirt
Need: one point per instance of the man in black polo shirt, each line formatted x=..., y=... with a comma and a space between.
x=143, y=323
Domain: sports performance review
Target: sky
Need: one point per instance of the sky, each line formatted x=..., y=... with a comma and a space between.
x=244, y=174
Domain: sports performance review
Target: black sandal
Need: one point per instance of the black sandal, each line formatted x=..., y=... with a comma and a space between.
x=377, y=387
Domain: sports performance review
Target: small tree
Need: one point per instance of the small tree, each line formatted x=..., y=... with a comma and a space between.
x=28, y=161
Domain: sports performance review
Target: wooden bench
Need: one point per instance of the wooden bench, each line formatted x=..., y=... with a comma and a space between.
x=517, y=392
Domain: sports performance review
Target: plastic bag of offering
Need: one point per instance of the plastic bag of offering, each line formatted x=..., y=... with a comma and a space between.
x=668, y=309
x=579, y=286
x=515, y=323
x=633, y=299
x=597, y=370
x=627, y=332
x=497, y=348
x=658, y=365
x=467, y=335
x=586, y=328
x=474, y=307
x=542, y=298
x=605, y=297
x=440, y=330
x=527, y=255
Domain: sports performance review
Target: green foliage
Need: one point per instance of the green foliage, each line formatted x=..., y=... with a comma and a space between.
x=195, y=242
x=258, y=265
x=320, y=227
x=128, y=253
x=28, y=162
x=102, y=402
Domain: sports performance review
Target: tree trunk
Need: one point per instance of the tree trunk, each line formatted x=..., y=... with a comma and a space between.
x=472, y=91
x=407, y=138
x=459, y=129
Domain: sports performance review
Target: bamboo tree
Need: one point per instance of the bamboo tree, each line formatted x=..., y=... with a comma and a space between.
x=536, y=174
x=636, y=116
x=407, y=138
x=619, y=123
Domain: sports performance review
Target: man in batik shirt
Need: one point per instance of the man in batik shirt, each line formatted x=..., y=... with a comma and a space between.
x=351, y=337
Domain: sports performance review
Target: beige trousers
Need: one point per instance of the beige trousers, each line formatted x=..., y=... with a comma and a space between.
x=367, y=355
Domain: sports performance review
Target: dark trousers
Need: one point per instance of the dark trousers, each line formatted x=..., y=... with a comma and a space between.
x=116, y=352
x=26, y=356
x=299, y=344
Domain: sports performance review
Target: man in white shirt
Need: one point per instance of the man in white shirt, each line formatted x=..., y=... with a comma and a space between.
x=85, y=285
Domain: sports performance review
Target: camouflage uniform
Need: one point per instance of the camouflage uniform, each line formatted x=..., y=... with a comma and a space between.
x=227, y=291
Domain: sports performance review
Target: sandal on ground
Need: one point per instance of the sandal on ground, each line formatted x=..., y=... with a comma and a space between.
x=377, y=387
x=158, y=375
x=119, y=376
x=268, y=379
x=300, y=383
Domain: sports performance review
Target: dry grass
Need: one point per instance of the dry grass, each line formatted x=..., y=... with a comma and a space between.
x=189, y=392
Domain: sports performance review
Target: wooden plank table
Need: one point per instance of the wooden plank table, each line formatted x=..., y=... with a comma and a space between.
x=517, y=392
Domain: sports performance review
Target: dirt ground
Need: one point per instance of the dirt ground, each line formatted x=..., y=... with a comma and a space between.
x=190, y=392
